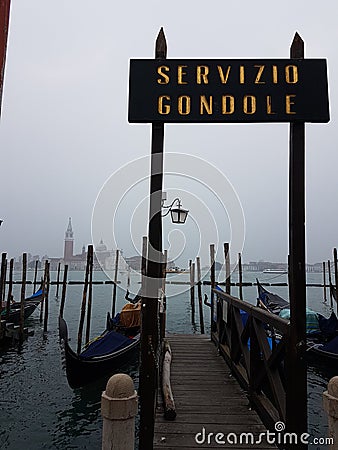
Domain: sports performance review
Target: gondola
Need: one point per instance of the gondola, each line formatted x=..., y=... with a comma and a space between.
x=30, y=305
x=321, y=332
x=15, y=311
x=116, y=347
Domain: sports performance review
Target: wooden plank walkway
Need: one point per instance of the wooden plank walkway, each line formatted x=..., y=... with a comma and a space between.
x=206, y=395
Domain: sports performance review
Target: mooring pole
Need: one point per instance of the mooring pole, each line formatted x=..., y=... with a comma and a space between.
x=2, y=280
x=324, y=282
x=5, y=6
x=10, y=289
x=46, y=297
x=35, y=276
x=335, y=274
x=115, y=283
x=58, y=281
x=199, y=292
x=240, y=276
x=330, y=282
x=23, y=292
x=212, y=287
x=149, y=331
x=64, y=290
x=296, y=390
x=227, y=268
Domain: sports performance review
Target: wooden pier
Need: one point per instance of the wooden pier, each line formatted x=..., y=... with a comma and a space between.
x=206, y=395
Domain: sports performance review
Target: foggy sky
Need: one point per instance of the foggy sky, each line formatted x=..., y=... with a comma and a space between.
x=64, y=128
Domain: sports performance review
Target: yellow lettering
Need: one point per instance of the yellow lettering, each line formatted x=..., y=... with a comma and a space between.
x=202, y=74
x=259, y=74
x=249, y=104
x=228, y=104
x=289, y=103
x=274, y=75
x=180, y=74
x=224, y=78
x=291, y=74
x=184, y=105
x=163, y=109
x=165, y=79
x=269, y=105
x=205, y=105
x=241, y=75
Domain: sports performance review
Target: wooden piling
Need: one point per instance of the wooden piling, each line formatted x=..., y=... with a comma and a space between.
x=10, y=289
x=46, y=297
x=192, y=289
x=128, y=278
x=64, y=290
x=324, y=282
x=212, y=287
x=23, y=292
x=115, y=282
x=144, y=262
x=35, y=276
x=240, y=276
x=163, y=306
x=227, y=268
x=336, y=275
x=83, y=304
x=2, y=281
x=58, y=281
x=44, y=284
x=199, y=290
x=330, y=282
x=90, y=295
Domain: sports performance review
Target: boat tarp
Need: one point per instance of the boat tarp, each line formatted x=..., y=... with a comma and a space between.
x=331, y=346
x=130, y=315
x=106, y=344
x=328, y=327
x=312, y=323
x=36, y=294
x=272, y=301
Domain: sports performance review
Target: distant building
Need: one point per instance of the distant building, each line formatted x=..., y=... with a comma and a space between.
x=103, y=258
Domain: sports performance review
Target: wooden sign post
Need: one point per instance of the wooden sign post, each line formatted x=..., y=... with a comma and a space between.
x=296, y=404
x=153, y=281
x=291, y=90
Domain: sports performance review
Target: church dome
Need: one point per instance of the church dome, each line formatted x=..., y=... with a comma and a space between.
x=101, y=247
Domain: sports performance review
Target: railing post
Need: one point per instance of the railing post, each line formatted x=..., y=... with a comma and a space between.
x=330, y=403
x=118, y=409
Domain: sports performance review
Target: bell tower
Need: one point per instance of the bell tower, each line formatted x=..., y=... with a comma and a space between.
x=69, y=242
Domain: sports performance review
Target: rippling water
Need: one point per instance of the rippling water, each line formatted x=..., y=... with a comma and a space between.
x=38, y=410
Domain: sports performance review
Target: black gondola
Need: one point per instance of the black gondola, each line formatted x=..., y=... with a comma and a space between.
x=322, y=345
x=107, y=353
x=30, y=305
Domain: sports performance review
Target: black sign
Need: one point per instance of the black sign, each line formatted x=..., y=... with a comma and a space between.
x=228, y=91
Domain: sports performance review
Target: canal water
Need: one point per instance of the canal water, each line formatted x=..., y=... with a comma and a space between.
x=38, y=410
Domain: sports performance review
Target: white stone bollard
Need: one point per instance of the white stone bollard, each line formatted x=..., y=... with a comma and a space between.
x=330, y=402
x=118, y=409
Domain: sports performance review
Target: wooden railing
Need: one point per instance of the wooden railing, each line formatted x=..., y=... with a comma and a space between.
x=254, y=343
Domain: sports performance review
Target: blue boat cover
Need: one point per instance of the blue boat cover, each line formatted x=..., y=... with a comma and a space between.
x=331, y=346
x=36, y=294
x=106, y=344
